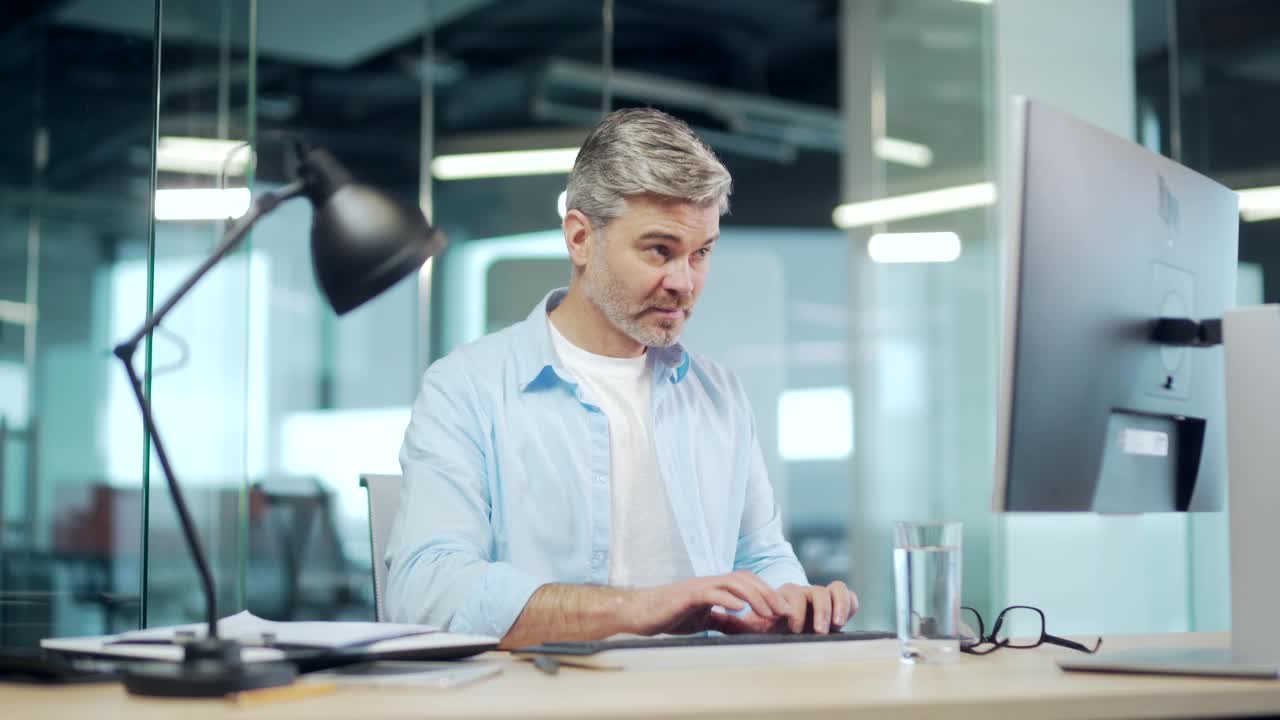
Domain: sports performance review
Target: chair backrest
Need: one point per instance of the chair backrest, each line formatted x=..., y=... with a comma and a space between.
x=384, y=498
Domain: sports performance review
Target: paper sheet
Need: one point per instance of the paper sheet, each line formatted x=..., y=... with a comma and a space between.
x=251, y=630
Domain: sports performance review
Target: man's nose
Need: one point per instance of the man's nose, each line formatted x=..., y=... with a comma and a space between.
x=680, y=279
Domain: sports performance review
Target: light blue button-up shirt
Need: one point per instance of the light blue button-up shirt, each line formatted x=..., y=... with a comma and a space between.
x=506, y=480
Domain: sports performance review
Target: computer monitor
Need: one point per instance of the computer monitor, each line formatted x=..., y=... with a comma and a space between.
x=1104, y=238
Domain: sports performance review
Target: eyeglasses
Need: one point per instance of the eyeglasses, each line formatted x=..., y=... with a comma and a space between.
x=1021, y=616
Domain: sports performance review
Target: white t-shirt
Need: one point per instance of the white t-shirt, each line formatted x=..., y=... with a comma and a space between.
x=645, y=545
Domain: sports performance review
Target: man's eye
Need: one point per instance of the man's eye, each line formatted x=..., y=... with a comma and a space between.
x=704, y=252
x=660, y=250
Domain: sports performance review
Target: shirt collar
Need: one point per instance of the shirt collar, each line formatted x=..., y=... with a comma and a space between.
x=539, y=365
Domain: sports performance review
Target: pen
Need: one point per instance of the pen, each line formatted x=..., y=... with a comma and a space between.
x=295, y=691
x=546, y=664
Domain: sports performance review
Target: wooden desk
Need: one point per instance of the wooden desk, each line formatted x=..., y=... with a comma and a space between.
x=1006, y=684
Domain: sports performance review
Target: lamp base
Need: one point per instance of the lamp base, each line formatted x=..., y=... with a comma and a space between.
x=210, y=668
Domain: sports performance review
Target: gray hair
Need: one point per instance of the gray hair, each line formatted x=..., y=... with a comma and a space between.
x=639, y=151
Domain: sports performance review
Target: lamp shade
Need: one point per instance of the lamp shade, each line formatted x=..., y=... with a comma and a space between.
x=363, y=241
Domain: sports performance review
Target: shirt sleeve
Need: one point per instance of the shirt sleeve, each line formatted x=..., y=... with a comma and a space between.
x=762, y=549
x=440, y=554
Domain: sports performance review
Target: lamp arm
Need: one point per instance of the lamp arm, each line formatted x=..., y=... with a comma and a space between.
x=264, y=204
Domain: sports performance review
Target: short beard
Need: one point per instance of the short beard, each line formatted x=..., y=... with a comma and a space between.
x=604, y=291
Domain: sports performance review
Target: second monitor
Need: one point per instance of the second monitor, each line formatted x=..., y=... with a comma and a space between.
x=1105, y=238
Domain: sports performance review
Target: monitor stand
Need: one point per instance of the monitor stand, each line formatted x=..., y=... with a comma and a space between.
x=1251, y=339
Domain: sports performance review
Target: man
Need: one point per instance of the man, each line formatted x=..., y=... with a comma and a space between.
x=580, y=474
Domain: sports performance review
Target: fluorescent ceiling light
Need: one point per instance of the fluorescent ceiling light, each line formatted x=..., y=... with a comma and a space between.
x=504, y=164
x=201, y=156
x=201, y=204
x=815, y=424
x=976, y=2
x=914, y=247
x=557, y=161
x=904, y=152
x=1260, y=203
x=562, y=203
x=903, y=207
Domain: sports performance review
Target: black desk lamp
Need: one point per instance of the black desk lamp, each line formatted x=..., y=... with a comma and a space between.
x=362, y=242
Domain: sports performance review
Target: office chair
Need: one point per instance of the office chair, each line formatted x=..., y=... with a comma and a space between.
x=297, y=555
x=384, y=498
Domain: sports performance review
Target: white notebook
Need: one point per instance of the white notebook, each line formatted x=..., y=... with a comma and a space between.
x=267, y=640
x=250, y=629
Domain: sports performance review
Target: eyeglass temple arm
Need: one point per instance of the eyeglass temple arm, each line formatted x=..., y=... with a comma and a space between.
x=1072, y=644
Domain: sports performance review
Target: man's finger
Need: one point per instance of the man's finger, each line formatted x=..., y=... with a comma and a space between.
x=774, y=605
x=745, y=589
x=820, y=597
x=799, y=602
x=777, y=601
x=718, y=596
x=841, y=603
x=735, y=625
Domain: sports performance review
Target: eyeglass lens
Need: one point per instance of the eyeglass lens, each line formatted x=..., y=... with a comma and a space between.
x=1018, y=627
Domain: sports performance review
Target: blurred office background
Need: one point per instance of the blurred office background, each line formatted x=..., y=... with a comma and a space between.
x=873, y=381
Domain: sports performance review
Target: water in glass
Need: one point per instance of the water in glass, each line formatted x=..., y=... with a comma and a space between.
x=927, y=579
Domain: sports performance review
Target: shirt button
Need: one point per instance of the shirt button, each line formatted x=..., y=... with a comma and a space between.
x=600, y=479
x=597, y=558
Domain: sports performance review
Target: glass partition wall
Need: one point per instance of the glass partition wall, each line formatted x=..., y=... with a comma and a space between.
x=870, y=362
x=923, y=287
x=293, y=403
x=75, y=180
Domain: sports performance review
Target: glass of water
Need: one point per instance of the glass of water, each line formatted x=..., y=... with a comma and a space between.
x=926, y=576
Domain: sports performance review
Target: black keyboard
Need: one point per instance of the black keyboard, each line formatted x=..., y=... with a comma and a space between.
x=592, y=647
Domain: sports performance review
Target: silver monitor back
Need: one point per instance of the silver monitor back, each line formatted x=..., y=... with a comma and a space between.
x=1105, y=237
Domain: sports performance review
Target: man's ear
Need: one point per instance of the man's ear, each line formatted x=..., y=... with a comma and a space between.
x=579, y=237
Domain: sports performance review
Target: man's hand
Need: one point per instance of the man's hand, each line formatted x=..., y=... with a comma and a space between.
x=688, y=606
x=817, y=609
x=589, y=612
